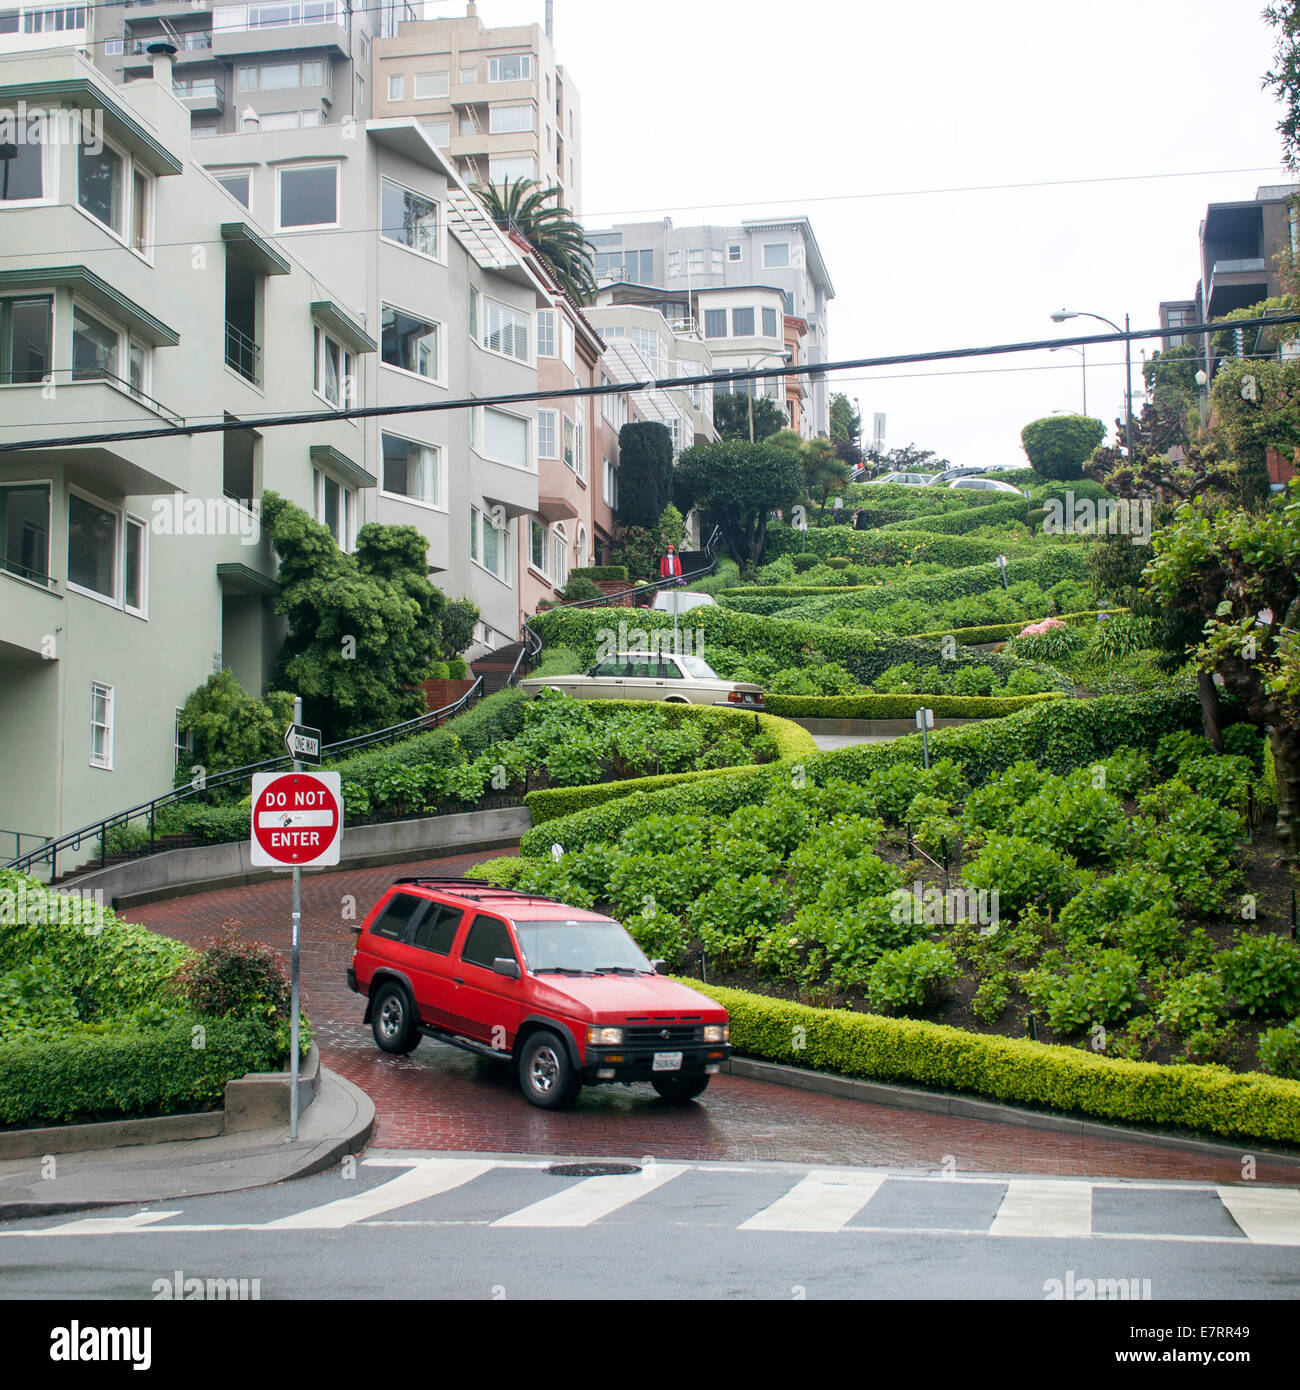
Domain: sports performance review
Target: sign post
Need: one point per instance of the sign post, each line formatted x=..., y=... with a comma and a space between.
x=297, y=820
x=925, y=722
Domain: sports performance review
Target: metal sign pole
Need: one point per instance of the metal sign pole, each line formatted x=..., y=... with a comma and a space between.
x=293, y=971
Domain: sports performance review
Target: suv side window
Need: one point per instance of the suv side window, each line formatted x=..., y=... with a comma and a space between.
x=437, y=928
x=487, y=939
x=400, y=917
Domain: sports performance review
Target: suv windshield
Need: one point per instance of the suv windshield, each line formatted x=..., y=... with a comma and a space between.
x=578, y=946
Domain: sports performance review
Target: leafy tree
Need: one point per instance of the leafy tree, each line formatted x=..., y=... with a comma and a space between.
x=231, y=728
x=645, y=472
x=1059, y=445
x=848, y=453
x=1256, y=404
x=363, y=628
x=906, y=459
x=641, y=548
x=537, y=214
x=824, y=472
x=737, y=485
x=731, y=415
x=456, y=627
x=846, y=423
x=1284, y=77
x=1229, y=572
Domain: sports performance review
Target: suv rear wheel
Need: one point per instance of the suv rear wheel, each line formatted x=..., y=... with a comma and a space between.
x=546, y=1074
x=392, y=1020
x=680, y=1089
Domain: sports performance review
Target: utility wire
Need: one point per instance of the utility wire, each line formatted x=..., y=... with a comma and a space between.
x=816, y=369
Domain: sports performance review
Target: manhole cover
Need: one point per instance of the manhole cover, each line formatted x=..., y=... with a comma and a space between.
x=592, y=1170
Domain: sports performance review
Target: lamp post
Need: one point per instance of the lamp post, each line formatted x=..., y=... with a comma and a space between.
x=1202, y=380
x=1082, y=353
x=1061, y=315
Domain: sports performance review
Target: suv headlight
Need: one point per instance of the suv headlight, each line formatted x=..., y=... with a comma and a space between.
x=605, y=1037
x=717, y=1032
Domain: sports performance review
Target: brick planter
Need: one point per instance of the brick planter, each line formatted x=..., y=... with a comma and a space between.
x=440, y=692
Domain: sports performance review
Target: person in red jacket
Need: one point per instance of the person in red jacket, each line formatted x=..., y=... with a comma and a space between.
x=670, y=567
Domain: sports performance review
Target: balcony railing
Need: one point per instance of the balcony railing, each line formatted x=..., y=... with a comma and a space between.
x=26, y=572
x=183, y=42
x=1234, y=267
x=243, y=355
x=201, y=91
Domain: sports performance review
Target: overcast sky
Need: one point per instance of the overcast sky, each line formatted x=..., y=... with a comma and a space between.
x=835, y=108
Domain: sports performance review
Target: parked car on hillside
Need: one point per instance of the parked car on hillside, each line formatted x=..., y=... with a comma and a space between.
x=906, y=479
x=562, y=995
x=985, y=485
x=681, y=680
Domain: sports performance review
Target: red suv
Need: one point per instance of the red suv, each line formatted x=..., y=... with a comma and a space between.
x=564, y=995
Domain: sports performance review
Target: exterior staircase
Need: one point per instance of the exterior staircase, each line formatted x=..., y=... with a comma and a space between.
x=496, y=666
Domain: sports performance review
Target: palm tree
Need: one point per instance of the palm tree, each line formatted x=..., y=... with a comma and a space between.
x=537, y=214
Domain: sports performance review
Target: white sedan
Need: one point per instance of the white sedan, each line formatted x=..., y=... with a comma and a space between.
x=986, y=485
x=681, y=680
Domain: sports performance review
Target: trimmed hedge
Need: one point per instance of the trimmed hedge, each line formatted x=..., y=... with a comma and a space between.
x=597, y=572
x=791, y=643
x=956, y=523
x=1068, y=1079
x=1002, y=632
x=1056, y=734
x=895, y=547
x=87, y=1076
x=903, y=706
x=555, y=802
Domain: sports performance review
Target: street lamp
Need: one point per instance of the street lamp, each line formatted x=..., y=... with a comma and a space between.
x=1082, y=353
x=1202, y=380
x=1061, y=315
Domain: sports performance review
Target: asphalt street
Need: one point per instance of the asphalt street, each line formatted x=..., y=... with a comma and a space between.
x=483, y=1226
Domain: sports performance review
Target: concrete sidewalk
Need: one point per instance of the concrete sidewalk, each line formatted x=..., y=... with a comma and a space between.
x=338, y=1122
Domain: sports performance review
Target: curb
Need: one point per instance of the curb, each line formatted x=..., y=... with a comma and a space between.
x=942, y=1103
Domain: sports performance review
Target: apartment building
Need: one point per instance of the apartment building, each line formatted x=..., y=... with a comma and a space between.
x=495, y=99
x=1240, y=243
x=381, y=213
x=780, y=255
x=137, y=293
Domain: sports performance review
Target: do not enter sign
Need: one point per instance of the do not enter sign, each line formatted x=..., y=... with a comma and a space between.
x=297, y=819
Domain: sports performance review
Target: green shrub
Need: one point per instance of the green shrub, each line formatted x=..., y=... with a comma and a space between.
x=579, y=587
x=733, y=914
x=1022, y=872
x=1279, y=1050
x=914, y=979
x=901, y=706
x=598, y=572
x=1102, y=990
x=1073, y=817
x=659, y=934
x=1192, y=1004
x=1011, y=1070
x=1244, y=741
x=990, y=1001
x=234, y=978
x=504, y=872
x=1262, y=973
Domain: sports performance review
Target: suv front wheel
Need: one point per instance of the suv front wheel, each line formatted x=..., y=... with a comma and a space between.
x=546, y=1074
x=392, y=1020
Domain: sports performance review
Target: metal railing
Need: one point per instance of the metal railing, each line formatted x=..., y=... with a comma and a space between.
x=26, y=572
x=49, y=850
x=205, y=91
x=243, y=355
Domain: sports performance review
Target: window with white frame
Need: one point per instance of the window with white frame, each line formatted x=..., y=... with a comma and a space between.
x=334, y=371
x=546, y=332
x=770, y=329
x=511, y=167
x=580, y=449
x=742, y=323
x=336, y=506
x=236, y=182
x=439, y=132
x=610, y=488
x=715, y=323
x=489, y=545
x=396, y=86
x=31, y=170
x=734, y=251
x=515, y=67
x=25, y=530
x=570, y=443
x=548, y=446
x=647, y=343
x=776, y=255
x=413, y=471
x=182, y=741
x=286, y=120
x=104, y=352
x=509, y=120
x=505, y=438
x=502, y=329
x=409, y=343
x=674, y=263
x=136, y=579
x=101, y=185
x=467, y=75
x=695, y=260
x=94, y=548
x=432, y=84
x=26, y=337
x=584, y=555
x=566, y=342
x=559, y=558
x=410, y=219
x=141, y=212
x=101, y=725
x=308, y=195
x=538, y=550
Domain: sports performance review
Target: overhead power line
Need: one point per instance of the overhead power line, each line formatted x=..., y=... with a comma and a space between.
x=814, y=369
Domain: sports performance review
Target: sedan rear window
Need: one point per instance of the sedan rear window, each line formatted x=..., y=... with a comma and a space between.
x=698, y=668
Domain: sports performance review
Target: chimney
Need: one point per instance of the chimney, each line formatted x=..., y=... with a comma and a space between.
x=161, y=54
x=471, y=10
x=249, y=120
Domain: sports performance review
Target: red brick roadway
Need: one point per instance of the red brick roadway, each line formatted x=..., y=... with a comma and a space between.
x=442, y=1098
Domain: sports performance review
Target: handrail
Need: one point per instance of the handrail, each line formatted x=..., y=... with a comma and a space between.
x=528, y=635
x=74, y=839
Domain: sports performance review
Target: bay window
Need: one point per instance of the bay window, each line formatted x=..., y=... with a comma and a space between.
x=409, y=219
x=333, y=371
x=409, y=343
x=412, y=471
x=26, y=332
x=505, y=438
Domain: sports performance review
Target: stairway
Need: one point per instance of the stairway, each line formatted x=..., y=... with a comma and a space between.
x=496, y=666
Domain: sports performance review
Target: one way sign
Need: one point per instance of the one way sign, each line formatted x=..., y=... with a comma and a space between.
x=303, y=744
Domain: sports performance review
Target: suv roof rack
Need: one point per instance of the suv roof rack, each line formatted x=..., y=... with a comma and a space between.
x=475, y=888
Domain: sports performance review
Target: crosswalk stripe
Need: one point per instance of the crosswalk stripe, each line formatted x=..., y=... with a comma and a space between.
x=1032, y=1208
x=1268, y=1215
x=822, y=1201
x=592, y=1199
x=109, y=1225
x=427, y=1179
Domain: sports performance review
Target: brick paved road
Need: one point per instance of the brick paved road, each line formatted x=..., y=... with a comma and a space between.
x=441, y=1098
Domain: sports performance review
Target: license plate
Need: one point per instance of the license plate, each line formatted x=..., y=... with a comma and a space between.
x=667, y=1061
